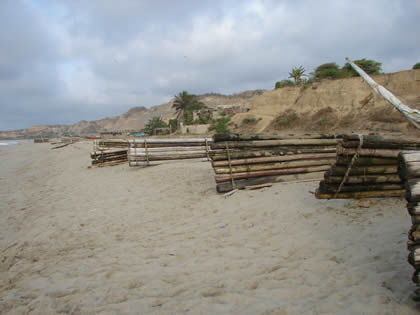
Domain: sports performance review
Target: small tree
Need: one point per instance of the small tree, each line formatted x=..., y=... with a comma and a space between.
x=296, y=74
x=327, y=71
x=369, y=66
x=221, y=125
x=416, y=66
x=184, y=105
x=152, y=124
x=283, y=83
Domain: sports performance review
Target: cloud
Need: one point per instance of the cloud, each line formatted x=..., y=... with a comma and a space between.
x=66, y=61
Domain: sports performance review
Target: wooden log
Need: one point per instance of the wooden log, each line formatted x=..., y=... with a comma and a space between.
x=279, y=158
x=332, y=188
x=412, y=190
x=272, y=166
x=391, y=146
x=167, y=149
x=368, y=179
x=381, y=153
x=413, y=208
x=409, y=165
x=414, y=258
x=270, y=143
x=242, y=183
x=250, y=137
x=167, y=157
x=416, y=277
x=412, y=245
x=365, y=161
x=225, y=178
x=361, y=194
x=111, y=163
x=167, y=145
x=414, y=233
x=152, y=153
x=172, y=140
x=383, y=139
x=360, y=170
x=216, y=155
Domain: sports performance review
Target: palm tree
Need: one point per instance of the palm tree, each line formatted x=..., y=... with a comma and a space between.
x=182, y=101
x=297, y=74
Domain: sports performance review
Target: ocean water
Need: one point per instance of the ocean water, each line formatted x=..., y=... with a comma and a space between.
x=8, y=142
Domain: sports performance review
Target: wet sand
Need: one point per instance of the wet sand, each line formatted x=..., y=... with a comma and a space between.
x=123, y=240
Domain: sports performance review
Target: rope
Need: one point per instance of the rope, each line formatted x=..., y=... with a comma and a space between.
x=354, y=159
x=147, y=152
x=230, y=166
x=207, y=150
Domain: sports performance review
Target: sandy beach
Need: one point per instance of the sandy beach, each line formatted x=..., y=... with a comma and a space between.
x=160, y=240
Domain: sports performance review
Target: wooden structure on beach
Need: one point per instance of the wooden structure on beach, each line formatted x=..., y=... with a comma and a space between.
x=409, y=171
x=247, y=160
x=366, y=167
x=41, y=140
x=109, y=152
x=143, y=151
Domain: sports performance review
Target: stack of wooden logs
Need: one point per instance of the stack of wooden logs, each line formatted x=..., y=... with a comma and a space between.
x=409, y=171
x=241, y=161
x=142, y=152
x=112, y=143
x=41, y=140
x=109, y=152
x=366, y=167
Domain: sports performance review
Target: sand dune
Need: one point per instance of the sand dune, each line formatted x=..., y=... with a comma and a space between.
x=160, y=240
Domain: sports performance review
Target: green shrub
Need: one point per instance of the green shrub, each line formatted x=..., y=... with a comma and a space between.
x=369, y=66
x=173, y=124
x=152, y=124
x=249, y=121
x=221, y=125
x=286, y=118
x=416, y=66
x=283, y=83
x=327, y=71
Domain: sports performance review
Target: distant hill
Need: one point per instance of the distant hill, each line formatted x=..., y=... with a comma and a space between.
x=344, y=105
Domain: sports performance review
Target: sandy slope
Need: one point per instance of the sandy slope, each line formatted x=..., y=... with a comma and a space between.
x=160, y=240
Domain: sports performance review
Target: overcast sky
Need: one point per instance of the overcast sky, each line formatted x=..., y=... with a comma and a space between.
x=62, y=61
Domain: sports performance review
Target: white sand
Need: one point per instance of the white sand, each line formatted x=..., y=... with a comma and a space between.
x=123, y=240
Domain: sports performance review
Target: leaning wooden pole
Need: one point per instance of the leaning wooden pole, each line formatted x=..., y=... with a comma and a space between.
x=413, y=115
